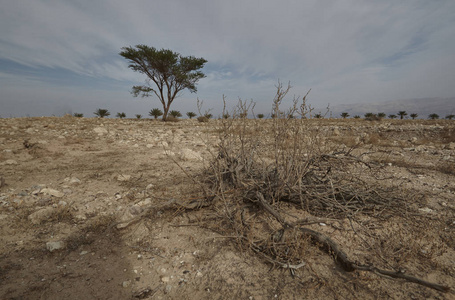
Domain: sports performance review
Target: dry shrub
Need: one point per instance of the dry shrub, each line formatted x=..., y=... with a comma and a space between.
x=289, y=162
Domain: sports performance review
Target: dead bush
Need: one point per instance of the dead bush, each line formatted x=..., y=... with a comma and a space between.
x=273, y=181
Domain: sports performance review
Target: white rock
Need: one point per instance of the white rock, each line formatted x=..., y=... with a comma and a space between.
x=100, y=130
x=52, y=246
x=52, y=192
x=40, y=215
x=123, y=177
x=188, y=154
x=10, y=162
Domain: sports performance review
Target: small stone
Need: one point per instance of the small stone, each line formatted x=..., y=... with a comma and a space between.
x=83, y=253
x=126, y=283
x=52, y=192
x=165, y=279
x=41, y=215
x=188, y=154
x=100, y=130
x=123, y=177
x=11, y=162
x=52, y=246
x=199, y=274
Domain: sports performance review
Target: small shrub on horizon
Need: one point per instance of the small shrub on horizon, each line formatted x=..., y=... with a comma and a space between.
x=260, y=116
x=78, y=115
x=413, y=116
x=101, y=113
x=138, y=116
x=208, y=116
x=121, y=115
x=175, y=113
x=392, y=117
x=344, y=115
x=381, y=115
x=450, y=117
x=156, y=112
x=202, y=119
x=433, y=116
x=190, y=114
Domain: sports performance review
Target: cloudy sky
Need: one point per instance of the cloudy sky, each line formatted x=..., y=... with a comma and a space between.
x=62, y=56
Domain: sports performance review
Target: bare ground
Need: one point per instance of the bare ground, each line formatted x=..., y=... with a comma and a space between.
x=69, y=188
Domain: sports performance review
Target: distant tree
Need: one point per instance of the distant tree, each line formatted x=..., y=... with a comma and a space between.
x=100, y=112
x=190, y=114
x=208, y=115
x=381, y=115
x=433, y=116
x=78, y=115
x=369, y=115
x=175, y=113
x=392, y=116
x=450, y=117
x=138, y=116
x=243, y=115
x=121, y=115
x=402, y=114
x=414, y=116
x=260, y=116
x=318, y=116
x=356, y=117
x=226, y=116
x=169, y=72
x=156, y=112
x=344, y=115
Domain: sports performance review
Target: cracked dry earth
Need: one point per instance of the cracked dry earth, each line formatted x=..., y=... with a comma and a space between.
x=69, y=188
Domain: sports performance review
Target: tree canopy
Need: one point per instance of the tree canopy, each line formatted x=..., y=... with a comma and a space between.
x=168, y=73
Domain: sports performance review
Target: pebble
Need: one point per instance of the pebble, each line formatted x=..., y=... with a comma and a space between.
x=188, y=154
x=52, y=246
x=52, y=192
x=10, y=162
x=41, y=215
x=123, y=177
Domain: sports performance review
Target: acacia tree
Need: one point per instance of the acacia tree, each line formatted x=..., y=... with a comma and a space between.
x=168, y=73
x=344, y=115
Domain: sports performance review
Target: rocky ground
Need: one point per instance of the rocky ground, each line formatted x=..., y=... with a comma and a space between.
x=85, y=214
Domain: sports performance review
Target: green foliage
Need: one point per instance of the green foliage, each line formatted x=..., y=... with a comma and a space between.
x=381, y=115
x=156, y=112
x=175, y=113
x=101, y=112
x=168, y=73
x=260, y=116
x=318, y=116
x=413, y=116
x=433, y=116
x=402, y=114
x=450, y=117
x=138, y=116
x=369, y=115
x=78, y=115
x=392, y=116
x=344, y=115
x=190, y=114
x=356, y=117
x=121, y=115
x=208, y=115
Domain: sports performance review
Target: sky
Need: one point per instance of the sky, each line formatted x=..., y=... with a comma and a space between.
x=60, y=57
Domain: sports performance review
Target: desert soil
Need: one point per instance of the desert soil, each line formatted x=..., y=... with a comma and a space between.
x=76, y=223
